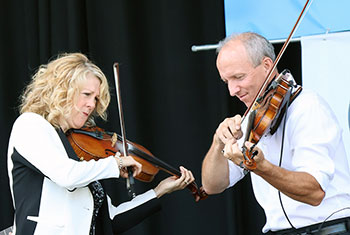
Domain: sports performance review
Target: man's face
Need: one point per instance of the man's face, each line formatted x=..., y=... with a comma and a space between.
x=237, y=71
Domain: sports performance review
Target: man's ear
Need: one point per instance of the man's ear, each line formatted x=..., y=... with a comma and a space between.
x=267, y=63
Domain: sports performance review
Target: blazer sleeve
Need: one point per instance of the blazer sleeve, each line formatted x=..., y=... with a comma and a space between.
x=128, y=214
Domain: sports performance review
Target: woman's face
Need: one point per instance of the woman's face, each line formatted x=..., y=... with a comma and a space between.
x=85, y=102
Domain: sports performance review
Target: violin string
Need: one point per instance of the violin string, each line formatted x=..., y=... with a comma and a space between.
x=152, y=159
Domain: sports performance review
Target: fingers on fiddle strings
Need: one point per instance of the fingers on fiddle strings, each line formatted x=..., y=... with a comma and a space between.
x=186, y=177
x=232, y=152
x=255, y=151
x=229, y=129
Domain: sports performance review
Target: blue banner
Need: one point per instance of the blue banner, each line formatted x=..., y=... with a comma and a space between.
x=275, y=19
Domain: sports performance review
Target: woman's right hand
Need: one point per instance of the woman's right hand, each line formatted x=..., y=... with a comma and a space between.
x=128, y=161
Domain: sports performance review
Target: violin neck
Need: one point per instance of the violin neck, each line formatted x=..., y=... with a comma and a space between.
x=154, y=161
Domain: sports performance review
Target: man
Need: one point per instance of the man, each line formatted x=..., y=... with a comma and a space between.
x=310, y=186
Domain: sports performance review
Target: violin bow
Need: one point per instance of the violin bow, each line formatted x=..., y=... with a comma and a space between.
x=130, y=181
x=284, y=47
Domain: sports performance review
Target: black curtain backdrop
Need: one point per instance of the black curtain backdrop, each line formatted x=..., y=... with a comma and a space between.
x=173, y=98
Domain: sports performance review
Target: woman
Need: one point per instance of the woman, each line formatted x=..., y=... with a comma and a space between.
x=54, y=192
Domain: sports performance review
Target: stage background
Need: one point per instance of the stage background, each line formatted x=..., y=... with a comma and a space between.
x=173, y=98
x=324, y=61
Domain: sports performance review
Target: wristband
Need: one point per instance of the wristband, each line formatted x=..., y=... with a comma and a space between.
x=120, y=166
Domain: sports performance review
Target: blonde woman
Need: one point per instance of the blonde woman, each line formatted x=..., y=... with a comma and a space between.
x=54, y=192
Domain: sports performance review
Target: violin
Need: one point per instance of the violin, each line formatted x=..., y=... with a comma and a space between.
x=95, y=143
x=267, y=113
x=270, y=103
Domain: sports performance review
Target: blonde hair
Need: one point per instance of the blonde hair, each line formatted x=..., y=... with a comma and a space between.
x=54, y=87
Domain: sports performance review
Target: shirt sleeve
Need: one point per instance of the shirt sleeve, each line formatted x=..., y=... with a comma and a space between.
x=236, y=173
x=128, y=214
x=315, y=135
x=126, y=206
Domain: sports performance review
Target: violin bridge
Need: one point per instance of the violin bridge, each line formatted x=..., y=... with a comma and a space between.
x=114, y=139
x=256, y=105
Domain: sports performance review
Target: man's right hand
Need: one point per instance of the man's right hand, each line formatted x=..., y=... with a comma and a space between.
x=229, y=129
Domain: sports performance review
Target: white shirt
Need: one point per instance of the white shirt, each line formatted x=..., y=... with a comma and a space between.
x=312, y=143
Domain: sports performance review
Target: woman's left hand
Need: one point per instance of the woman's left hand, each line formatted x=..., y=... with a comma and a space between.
x=174, y=183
